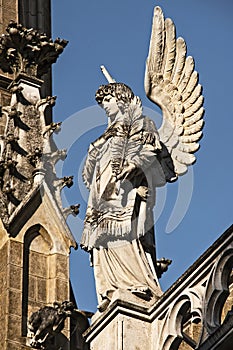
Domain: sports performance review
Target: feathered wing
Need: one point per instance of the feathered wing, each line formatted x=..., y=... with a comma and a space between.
x=172, y=83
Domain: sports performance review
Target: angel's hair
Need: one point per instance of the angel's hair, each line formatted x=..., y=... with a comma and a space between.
x=121, y=91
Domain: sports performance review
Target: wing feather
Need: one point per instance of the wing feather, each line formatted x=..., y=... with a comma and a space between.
x=193, y=97
x=180, y=60
x=180, y=168
x=195, y=107
x=186, y=74
x=183, y=157
x=188, y=147
x=157, y=41
x=194, y=118
x=191, y=138
x=190, y=86
x=170, y=49
x=172, y=83
x=193, y=129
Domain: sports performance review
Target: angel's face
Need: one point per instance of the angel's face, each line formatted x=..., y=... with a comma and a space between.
x=109, y=104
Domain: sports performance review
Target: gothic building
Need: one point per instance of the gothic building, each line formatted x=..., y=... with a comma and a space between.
x=35, y=241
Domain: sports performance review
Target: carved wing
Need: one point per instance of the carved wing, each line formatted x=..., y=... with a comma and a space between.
x=172, y=83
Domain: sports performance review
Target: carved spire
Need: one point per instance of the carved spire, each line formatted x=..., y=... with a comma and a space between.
x=27, y=157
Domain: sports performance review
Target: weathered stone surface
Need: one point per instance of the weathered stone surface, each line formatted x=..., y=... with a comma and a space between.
x=15, y=277
x=62, y=289
x=15, y=303
x=122, y=327
x=3, y=280
x=32, y=287
x=4, y=256
x=3, y=332
x=16, y=253
x=62, y=266
x=38, y=264
x=42, y=290
x=35, y=256
x=14, y=328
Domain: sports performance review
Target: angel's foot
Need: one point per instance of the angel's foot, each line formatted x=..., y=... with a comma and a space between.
x=143, y=293
x=103, y=304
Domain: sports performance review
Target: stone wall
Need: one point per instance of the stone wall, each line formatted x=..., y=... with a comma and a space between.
x=27, y=286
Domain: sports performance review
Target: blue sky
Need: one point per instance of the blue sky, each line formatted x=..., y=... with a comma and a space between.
x=116, y=34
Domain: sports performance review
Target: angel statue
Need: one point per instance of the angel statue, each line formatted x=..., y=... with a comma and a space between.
x=131, y=158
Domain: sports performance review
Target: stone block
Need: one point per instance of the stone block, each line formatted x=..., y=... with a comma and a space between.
x=122, y=326
x=16, y=253
x=3, y=280
x=3, y=330
x=32, y=287
x=62, y=290
x=9, y=15
x=3, y=256
x=15, y=277
x=14, y=328
x=10, y=4
x=38, y=264
x=62, y=267
x=53, y=266
x=59, y=266
x=41, y=289
x=15, y=346
x=124, y=332
x=15, y=303
x=3, y=304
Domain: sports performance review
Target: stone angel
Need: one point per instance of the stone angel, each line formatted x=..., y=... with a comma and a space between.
x=126, y=164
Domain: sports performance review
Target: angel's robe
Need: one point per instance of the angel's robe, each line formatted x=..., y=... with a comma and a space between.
x=119, y=226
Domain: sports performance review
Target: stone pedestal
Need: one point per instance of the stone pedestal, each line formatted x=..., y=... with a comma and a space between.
x=124, y=325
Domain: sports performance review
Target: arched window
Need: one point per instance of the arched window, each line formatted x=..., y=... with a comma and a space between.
x=36, y=252
x=218, y=294
x=183, y=326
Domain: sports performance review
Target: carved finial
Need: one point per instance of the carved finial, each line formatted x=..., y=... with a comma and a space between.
x=107, y=75
x=28, y=51
x=13, y=141
x=73, y=209
x=54, y=157
x=65, y=181
x=9, y=191
x=52, y=128
x=162, y=266
x=35, y=157
x=47, y=101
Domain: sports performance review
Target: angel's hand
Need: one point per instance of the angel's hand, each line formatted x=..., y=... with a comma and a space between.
x=110, y=133
x=142, y=191
x=126, y=171
x=113, y=131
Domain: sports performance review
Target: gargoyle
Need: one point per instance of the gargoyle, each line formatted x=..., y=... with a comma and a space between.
x=47, y=322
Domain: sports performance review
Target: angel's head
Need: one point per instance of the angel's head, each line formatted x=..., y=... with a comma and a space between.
x=113, y=96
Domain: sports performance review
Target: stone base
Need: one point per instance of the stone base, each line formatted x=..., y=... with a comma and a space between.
x=124, y=325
